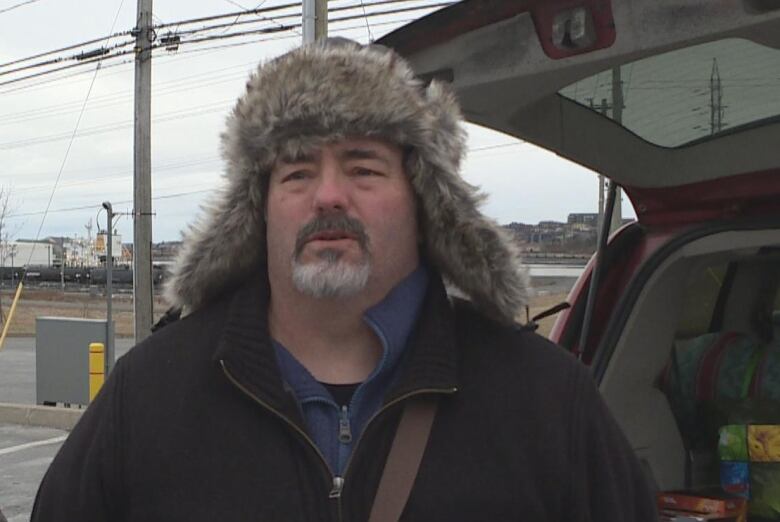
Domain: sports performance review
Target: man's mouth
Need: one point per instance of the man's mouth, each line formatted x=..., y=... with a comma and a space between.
x=331, y=235
x=336, y=231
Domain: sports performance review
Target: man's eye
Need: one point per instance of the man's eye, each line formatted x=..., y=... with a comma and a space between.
x=295, y=176
x=364, y=172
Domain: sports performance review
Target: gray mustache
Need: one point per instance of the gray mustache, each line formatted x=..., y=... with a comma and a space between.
x=332, y=222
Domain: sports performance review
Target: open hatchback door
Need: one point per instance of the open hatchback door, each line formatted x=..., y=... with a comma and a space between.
x=678, y=103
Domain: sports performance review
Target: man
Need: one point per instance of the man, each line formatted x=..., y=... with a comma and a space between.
x=315, y=312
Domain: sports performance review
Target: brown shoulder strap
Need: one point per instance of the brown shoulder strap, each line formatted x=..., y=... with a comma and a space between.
x=404, y=459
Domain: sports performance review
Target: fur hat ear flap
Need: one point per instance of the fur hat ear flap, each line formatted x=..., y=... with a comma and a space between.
x=472, y=251
x=208, y=262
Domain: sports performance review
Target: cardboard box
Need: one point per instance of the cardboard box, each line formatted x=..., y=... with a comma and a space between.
x=709, y=506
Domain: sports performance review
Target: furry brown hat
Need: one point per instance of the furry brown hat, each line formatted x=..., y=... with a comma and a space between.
x=327, y=91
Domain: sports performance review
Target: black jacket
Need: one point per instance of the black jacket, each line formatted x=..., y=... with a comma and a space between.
x=195, y=424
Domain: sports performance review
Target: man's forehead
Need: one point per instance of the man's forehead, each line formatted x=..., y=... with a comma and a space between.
x=348, y=148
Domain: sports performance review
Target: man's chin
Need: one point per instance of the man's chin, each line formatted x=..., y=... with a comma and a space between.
x=330, y=279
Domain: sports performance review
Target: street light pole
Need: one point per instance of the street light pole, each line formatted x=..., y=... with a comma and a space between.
x=109, y=359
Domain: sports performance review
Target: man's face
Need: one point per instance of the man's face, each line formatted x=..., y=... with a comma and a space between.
x=342, y=220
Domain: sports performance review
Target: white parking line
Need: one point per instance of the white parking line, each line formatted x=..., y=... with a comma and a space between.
x=21, y=447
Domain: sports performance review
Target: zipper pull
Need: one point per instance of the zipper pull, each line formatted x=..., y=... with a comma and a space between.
x=345, y=432
x=338, y=485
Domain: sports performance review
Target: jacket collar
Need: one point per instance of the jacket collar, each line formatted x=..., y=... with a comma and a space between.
x=246, y=351
x=391, y=320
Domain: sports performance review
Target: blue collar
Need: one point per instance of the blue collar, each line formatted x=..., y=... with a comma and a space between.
x=392, y=320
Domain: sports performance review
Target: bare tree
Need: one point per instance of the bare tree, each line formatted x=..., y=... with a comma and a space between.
x=7, y=233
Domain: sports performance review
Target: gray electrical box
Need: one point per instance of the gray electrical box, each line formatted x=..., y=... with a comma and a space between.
x=62, y=358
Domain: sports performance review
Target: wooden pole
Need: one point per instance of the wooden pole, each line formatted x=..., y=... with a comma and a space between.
x=142, y=175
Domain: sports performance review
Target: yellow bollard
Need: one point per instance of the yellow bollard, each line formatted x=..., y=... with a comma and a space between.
x=97, y=369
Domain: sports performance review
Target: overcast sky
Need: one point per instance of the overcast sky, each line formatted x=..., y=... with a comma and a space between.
x=192, y=94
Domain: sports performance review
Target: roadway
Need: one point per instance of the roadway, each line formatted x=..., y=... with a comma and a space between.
x=25, y=451
x=25, y=454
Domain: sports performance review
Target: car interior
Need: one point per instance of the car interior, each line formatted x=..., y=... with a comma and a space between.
x=700, y=350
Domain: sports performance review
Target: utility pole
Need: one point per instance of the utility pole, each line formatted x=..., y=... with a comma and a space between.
x=602, y=108
x=315, y=20
x=617, y=117
x=62, y=263
x=142, y=174
x=110, y=357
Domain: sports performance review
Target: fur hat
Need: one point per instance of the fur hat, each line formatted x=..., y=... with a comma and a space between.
x=323, y=92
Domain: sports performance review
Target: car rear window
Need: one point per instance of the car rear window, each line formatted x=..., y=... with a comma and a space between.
x=688, y=95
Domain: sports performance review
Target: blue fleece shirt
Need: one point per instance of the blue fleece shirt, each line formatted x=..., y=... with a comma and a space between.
x=337, y=429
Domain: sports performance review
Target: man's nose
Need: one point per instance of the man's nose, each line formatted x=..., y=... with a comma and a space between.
x=332, y=192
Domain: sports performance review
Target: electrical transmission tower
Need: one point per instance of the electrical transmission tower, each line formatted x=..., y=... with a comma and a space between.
x=616, y=106
x=716, y=99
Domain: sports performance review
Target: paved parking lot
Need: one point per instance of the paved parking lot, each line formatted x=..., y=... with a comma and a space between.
x=17, y=368
x=25, y=451
x=25, y=454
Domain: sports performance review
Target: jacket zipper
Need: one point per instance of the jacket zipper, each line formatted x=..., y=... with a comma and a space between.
x=423, y=391
x=337, y=482
x=345, y=430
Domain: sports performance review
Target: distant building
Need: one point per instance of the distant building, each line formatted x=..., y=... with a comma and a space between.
x=27, y=253
x=577, y=235
x=165, y=251
x=583, y=218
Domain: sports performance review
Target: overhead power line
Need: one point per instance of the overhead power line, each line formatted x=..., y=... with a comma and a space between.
x=63, y=109
x=201, y=109
x=209, y=49
x=97, y=205
x=113, y=171
x=66, y=67
x=498, y=146
x=227, y=15
x=70, y=144
x=17, y=5
x=238, y=34
x=331, y=21
x=107, y=53
x=368, y=27
x=207, y=78
x=166, y=88
x=84, y=55
x=68, y=48
x=130, y=32
x=297, y=15
x=264, y=17
x=43, y=83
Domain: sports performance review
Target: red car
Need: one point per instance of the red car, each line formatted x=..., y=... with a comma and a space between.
x=678, y=103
